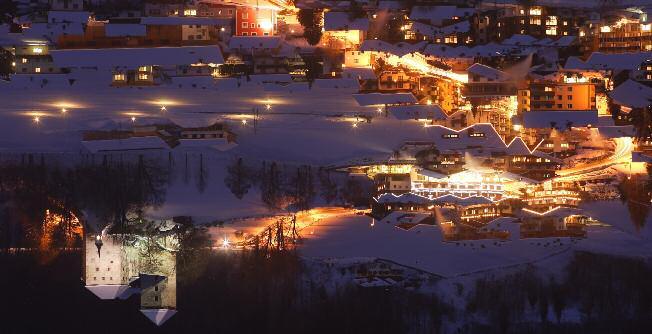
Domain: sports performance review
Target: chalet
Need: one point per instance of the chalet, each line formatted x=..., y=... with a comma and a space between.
x=140, y=66
x=556, y=222
x=486, y=83
x=343, y=32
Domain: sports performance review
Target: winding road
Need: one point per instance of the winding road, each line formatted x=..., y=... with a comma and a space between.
x=622, y=154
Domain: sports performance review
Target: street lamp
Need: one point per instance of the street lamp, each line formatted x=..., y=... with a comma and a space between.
x=98, y=243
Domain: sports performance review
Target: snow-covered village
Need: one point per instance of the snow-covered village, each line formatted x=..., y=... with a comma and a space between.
x=296, y=166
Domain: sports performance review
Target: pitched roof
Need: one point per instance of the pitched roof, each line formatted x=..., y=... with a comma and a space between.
x=488, y=72
x=120, y=29
x=68, y=17
x=602, y=61
x=104, y=292
x=632, y=94
x=382, y=99
x=403, y=198
x=480, y=135
x=336, y=21
x=560, y=120
x=254, y=42
x=158, y=316
x=437, y=14
x=418, y=111
x=133, y=57
x=518, y=147
x=399, y=49
x=180, y=20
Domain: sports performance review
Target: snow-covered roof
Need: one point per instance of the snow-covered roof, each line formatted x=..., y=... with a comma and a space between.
x=617, y=131
x=52, y=31
x=555, y=212
x=418, y=111
x=603, y=61
x=254, y=42
x=129, y=144
x=480, y=135
x=463, y=201
x=399, y=49
x=560, y=120
x=520, y=40
x=463, y=26
x=68, y=17
x=403, y=198
x=437, y=14
x=359, y=73
x=118, y=30
x=112, y=291
x=337, y=21
x=383, y=99
x=518, y=147
x=158, y=316
x=632, y=94
x=180, y=20
x=488, y=72
x=134, y=57
x=564, y=41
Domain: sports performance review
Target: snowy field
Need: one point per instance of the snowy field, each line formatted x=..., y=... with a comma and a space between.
x=350, y=236
x=306, y=125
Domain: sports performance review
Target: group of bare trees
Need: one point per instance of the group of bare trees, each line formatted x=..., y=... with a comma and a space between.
x=294, y=187
x=609, y=294
x=111, y=189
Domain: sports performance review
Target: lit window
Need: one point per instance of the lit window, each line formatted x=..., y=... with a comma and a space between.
x=24, y=60
x=143, y=76
x=190, y=12
x=38, y=50
x=37, y=70
x=245, y=25
x=535, y=11
x=119, y=77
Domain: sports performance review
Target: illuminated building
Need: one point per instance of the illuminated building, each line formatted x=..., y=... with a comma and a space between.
x=116, y=266
x=255, y=21
x=555, y=222
x=488, y=183
x=552, y=194
x=397, y=80
x=567, y=94
x=33, y=57
x=486, y=83
x=537, y=21
x=343, y=32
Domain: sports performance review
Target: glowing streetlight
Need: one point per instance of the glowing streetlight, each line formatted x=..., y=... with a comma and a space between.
x=37, y=119
x=429, y=102
x=379, y=110
x=225, y=243
x=133, y=119
x=268, y=106
x=163, y=108
x=355, y=125
x=244, y=122
x=64, y=110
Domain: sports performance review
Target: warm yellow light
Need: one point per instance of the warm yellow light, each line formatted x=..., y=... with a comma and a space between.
x=605, y=29
x=429, y=102
x=355, y=125
x=266, y=25
x=37, y=119
x=163, y=108
x=244, y=122
x=268, y=106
